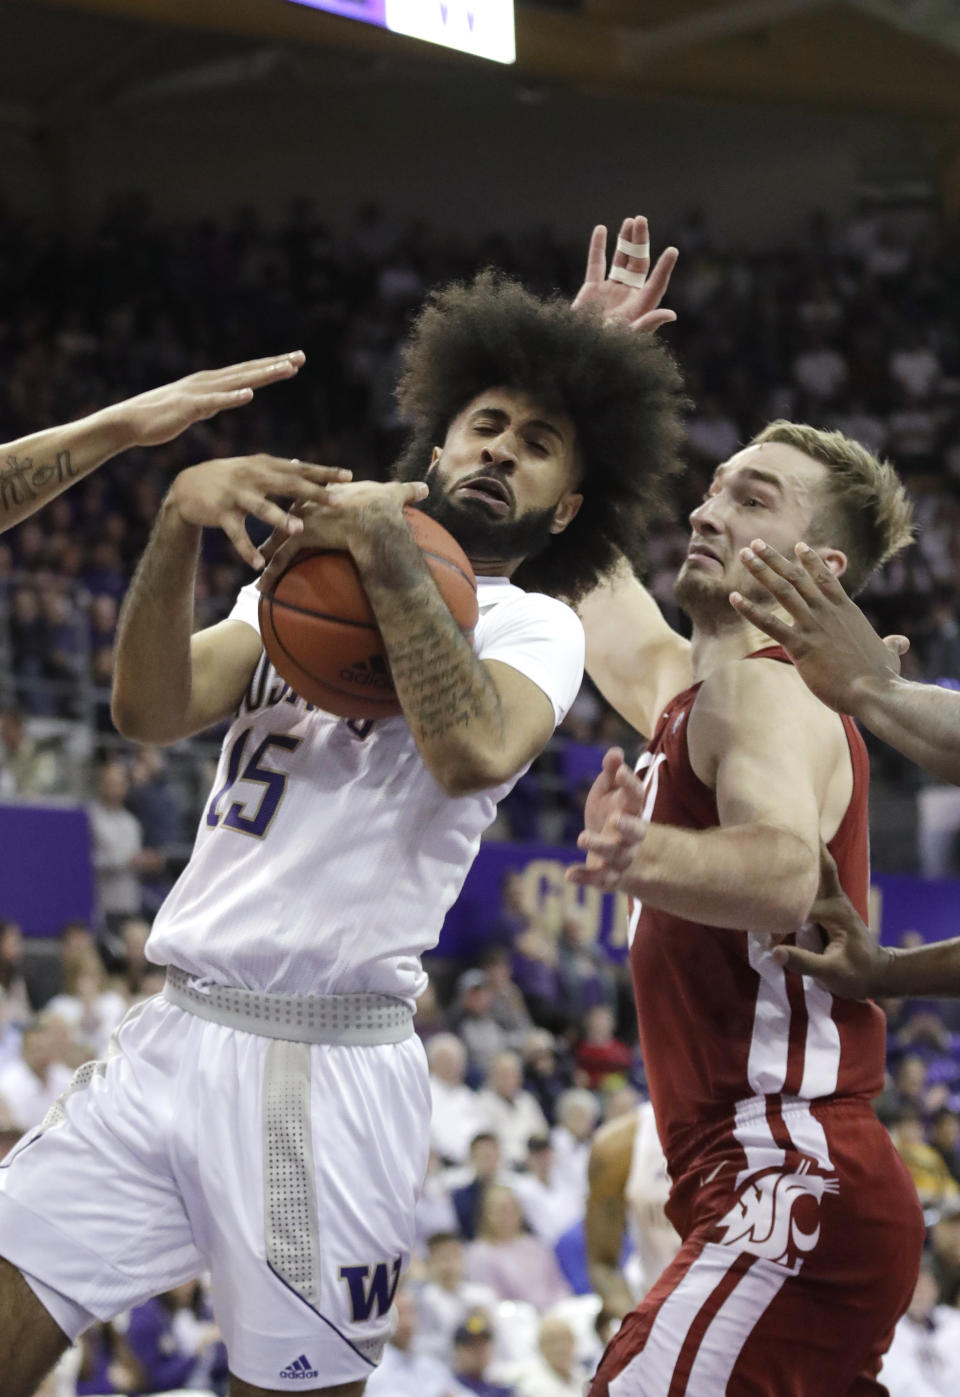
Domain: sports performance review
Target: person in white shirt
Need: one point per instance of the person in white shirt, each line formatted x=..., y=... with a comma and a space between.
x=509, y=1111
x=577, y=1113
x=406, y=1370
x=446, y=1298
x=553, y=1371
x=87, y=1005
x=456, y=1114
x=267, y=1116
x=31, y=1083
x=924, y=1358
x=550, y=1204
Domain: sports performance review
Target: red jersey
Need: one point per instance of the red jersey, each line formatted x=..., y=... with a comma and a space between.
x=729, y=1039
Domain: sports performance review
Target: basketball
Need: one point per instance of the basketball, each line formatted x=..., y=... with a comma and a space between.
x=320, y=632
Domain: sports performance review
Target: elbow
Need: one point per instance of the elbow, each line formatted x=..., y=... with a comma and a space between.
x=465, y=774
x=135, y=725
x=797, y=892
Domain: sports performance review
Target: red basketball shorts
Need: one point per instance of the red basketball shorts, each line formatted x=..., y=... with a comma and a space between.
x=796, y=1265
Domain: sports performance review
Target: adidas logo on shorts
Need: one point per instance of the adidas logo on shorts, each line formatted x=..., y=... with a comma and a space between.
x=300, y=1368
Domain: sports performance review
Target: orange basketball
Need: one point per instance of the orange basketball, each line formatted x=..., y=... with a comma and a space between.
x=321, y=634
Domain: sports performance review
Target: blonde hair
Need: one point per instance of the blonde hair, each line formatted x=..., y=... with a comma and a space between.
x=867, y=511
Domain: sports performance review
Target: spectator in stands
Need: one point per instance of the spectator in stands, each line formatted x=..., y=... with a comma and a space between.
x=456, y=1114
x=507, y=1005
x=945, y=1242
x=924, y=1358
x=447, y=1298
x=429, y=1019
x=118, y=853
x=933, y=1180
x=87, y=1005
x=945, y=1139
x=170, y=1353
x=550, y=1204
x=27, y=767
x=514, y=914
x=486, y=1167
x=509, y=1111
x=514, y=1264
x=474, y=1023
x=404, y=1371
x=151, y=799
x=553, y=1371
x=536, y=973
x=586, y=977
x=15, y=1009
x=106, y=1364
x=546, y=1075
x=577, y=1113
x=131, y=946
x=600, y=1054
x=472, y=1356
x=434, y=1212
x=31, y=1083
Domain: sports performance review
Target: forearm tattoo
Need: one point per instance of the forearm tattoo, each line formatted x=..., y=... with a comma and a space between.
x=24, y=481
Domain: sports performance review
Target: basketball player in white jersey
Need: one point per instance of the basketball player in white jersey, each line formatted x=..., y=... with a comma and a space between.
x=267, y=1117
x=629, y=1186
x=36, y=469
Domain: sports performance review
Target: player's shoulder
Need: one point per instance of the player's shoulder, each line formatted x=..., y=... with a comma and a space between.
x=755, y=680
x=507, y=606
x=611, y=1153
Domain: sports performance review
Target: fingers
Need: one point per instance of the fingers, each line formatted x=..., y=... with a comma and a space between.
x=830, y=885
x=269, y=513
x=827, y=582
x=652, y=320
x=897, y=644
x=253, y=372
x=787, y=581
x=282, y=555
x=630, y=783
x=800, y=962
x=603, y=878
x=659, y=278
x=233, y=527
x=597, y=257
x=413, y=491
x=764, y=619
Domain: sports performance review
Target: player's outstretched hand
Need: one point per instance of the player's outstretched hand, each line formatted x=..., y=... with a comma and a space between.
x=346, y=512
x=163, y=413
x=222, y=493
x=852, y=964
x=831, y=642
x=615, y=827
x=636, y=301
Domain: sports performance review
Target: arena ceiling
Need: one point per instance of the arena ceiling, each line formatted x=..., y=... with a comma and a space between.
x=897, y=57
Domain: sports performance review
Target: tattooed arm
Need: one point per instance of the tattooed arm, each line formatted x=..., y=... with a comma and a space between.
x=37, y=468
x=476, y=723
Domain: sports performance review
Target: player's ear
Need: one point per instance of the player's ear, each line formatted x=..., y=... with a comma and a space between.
x=835, y=559
x=567, y=510
x=435, y=455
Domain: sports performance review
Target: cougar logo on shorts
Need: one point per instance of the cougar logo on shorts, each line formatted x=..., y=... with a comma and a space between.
x=762, y=1222
x=380, y=1292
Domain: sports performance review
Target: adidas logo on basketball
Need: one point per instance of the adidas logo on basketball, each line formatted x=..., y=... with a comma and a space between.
x=372, y=672
x=300, y=1368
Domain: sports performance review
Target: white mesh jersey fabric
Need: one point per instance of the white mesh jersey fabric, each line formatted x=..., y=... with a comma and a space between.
x=327, y=855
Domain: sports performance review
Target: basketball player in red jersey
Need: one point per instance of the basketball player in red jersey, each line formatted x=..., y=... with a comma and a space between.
x=801, y=1229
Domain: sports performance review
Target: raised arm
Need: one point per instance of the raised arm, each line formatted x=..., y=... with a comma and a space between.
x=846, y=664
x=37, y=468
x=759, y=870
x=476, y=723
x=637, y=661
x=169, y=683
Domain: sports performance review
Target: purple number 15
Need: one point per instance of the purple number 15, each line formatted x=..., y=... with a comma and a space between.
x=273, y=783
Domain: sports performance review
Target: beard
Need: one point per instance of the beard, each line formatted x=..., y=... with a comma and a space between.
x=480, y=534
x=704, y=599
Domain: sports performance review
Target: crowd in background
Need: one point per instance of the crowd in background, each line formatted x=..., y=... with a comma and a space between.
x=853, y=326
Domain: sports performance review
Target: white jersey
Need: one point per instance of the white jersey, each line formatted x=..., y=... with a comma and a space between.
x=327, y=855
x=647, y=1190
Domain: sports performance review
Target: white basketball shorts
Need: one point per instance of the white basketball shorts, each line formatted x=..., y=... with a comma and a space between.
x=290, y=1171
